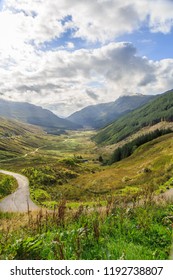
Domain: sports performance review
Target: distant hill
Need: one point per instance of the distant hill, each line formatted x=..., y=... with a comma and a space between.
x=157, y=110
x=11, y=128
x=36, y=115
x=97, y=116
x=17, y=139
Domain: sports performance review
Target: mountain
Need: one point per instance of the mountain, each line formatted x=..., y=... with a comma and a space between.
x=97, y=116
x=157, y=110
x=36, y=115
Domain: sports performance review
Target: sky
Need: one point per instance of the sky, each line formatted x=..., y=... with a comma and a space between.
x=65, y=55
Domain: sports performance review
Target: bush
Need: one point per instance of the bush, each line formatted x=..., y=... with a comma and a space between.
x=7, y=186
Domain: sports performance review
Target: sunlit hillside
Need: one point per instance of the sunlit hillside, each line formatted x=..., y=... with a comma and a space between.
x=157, y=110
x=17, y=139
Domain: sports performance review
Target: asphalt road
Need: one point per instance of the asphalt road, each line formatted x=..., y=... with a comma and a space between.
x=19, y=201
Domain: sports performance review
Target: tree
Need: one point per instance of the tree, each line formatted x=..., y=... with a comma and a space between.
x=100, y=159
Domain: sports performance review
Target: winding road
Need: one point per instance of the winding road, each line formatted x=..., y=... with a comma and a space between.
x=19, y=201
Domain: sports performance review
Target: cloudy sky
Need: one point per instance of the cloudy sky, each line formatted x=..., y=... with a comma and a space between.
x=67, y=54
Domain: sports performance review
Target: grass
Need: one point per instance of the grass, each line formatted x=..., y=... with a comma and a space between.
x=117, y=232
x=7, y=185
x=89, y=216
x=151, y=164
x=76, y=175
x=154, y=112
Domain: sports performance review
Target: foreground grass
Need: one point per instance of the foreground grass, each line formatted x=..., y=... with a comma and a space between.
x=115, y=232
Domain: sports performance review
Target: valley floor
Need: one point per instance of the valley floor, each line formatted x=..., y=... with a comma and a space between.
x=67, y=175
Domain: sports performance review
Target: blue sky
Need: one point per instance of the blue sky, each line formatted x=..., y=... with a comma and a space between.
x=65, y=55
x=155, y=46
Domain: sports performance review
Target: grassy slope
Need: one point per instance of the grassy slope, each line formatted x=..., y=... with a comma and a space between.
x=109, y=149
x=130, y=175
x=17, y=139
x=159, y=109
x=143, y=233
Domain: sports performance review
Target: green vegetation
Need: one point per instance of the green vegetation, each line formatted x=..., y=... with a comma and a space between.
x=18, y=139
x=118, y=232
x=97, y=116
x=7, y=185
x=130, y=147
x=93, y=211
x=157, y=110
x=46, y=183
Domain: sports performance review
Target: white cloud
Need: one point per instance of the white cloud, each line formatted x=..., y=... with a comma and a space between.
x=41, y=21
x=84, y=77
x=161, y=16
x=74, y=78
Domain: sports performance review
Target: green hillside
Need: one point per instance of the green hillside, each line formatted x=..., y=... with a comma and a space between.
x=100, y=115
x=154, y=112
x=17, y=139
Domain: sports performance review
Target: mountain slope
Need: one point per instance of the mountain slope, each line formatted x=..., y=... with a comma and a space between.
x=154, y=112
x=150, y=165
x=97, y=116
x=29, y=113
x=17, y=139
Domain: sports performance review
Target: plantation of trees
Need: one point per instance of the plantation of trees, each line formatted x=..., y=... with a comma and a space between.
x=130, y=147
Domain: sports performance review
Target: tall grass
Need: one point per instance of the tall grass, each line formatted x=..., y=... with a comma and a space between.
x=117, y=231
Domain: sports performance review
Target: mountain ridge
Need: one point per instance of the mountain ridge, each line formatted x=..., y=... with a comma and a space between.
x=97, y=116
x=35, y=115
x=159, y=109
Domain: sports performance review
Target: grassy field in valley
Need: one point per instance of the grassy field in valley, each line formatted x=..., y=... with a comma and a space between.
x=88, y=213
